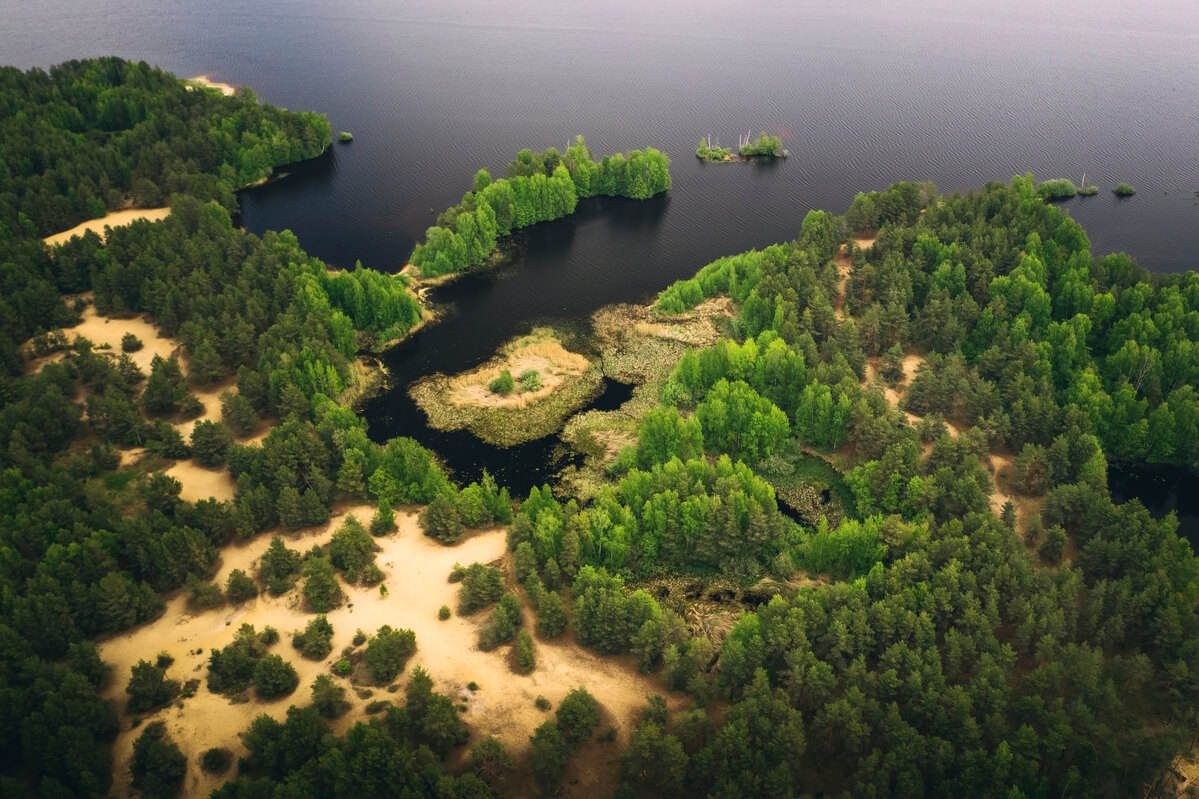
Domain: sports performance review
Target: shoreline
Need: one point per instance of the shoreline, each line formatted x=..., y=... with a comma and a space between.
x=204, y=82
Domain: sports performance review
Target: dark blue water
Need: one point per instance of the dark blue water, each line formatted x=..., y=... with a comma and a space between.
x=1162, y=490
x=862, y=94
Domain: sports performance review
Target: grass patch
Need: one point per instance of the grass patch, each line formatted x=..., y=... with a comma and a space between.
x=119, y=481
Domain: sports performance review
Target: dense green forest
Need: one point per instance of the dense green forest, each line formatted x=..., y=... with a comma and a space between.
x=85, y=137
x=539, y=187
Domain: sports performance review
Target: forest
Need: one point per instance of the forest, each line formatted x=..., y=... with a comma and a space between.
x=539, y=187
x=921, y=641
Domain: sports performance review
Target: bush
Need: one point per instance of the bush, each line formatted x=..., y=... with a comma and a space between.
x=231, y=669
x=359, y=637
x=130, y=343
x=504, y=384
x=216, y=760
x=481, y=586
x=530, y=380
x=377, y=706
x=240, y=587
x=316, y=642
x=549, y=756
x=541, y=703
x=238, y=413
x=343, y=668
x=204, y=594
x=321, y=588
x=502, y=625
x=328, y=697
x=443, y=612
x=525, y=660
x=1124, y=190
x=210, y=443
x=345, y=137
x=442, y=521
x=157, y=765
x=387, y=652
x=551, y=615
x=351, y=549
x=384, y=520
x=490, y=760
x=274, y=677
x=1059, y=189
x=279, y=566
x=578, y=715
x=148, y=688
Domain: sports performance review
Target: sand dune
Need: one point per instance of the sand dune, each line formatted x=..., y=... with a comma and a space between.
x=112, y=219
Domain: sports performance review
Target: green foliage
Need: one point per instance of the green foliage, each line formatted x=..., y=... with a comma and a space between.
x=165, y=388
x=148, y=688
x=343, y=667
x=850, y=550
x=274, y=677
x=578, y=716
x=387, y=651
x=1059, y=189
x=232, y=669
x=130, y=343
x=316, y=641
x=706, y=153
x=490, y=760
x=524, y=659
x=1124, y=190
x=501, y=627
x=216, y=760
x=157, y=765
x=203, y=594
x=764, y=145
x=240, y=587
x=530, y=380
x=321, y=588
x=550, y=754
x=551, y=615
x=328, y=698
x=384, y=520
x=351, y=549
x=539, y=187
x=210, y=442
x=503, y=384
x=443, y=612
x=279, y=566
x=481, y=586
x=441, y=520
x=345, y=137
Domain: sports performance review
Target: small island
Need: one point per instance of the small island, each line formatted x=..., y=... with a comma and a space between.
x=1124, y=190
x=345, y=137
x=763, y=147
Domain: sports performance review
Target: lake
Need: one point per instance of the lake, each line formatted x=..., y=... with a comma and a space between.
x=862, y=95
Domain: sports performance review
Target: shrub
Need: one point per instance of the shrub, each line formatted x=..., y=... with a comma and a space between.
x=551, y=615
x=578, y=715
x=481, y=586
x=279, y=566
x=387, y=652
x=490, y=760
x=274, y=676
x=442, y=521
x=210, y=443
x=359, y=637
x=231, y=669
x=377, y=706
x=148, y=688
x=204, y=594
x=549, y=756
x=130, y=343
x=504, y=384
x=321, y=588
x=541, y=703
x=216, y=760
x=343, y=668
x=1059, y=189
x=239, y=587
x=316, y=642
x=530, y=380
x=351, y=549
x=443, y=612
x=157, y=765
x=525, y=661
x=1124, y=190
x=384, y=520
x=505, y=618
x=328, y=697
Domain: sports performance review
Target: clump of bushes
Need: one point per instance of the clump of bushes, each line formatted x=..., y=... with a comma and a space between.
x=1059, y=189
x=316, y=642
x=345, y=137
x=130, y=343
x=504, y=384
x=481, y=586
x=505, y=618
x=387, y=652
x=216, y=760
x=530, y=380
x=1124, y=190
x=443, y=612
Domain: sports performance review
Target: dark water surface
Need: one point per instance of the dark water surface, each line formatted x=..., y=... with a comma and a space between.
x=862, y=94
x=1162, y=490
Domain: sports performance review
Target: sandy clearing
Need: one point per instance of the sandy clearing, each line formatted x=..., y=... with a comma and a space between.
x=226, y=89
x=101, y=330
x=111, y=219
x=417, y=570
x=201, y=483
x=539, y=351
x=845, y=269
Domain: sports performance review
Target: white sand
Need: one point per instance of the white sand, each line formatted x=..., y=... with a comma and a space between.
x=226, y=89
x=112, y=219
x=417, y=569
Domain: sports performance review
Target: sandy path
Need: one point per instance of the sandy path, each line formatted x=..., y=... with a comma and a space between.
x=417, y=570
x=844, y=269
x=112, y=219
